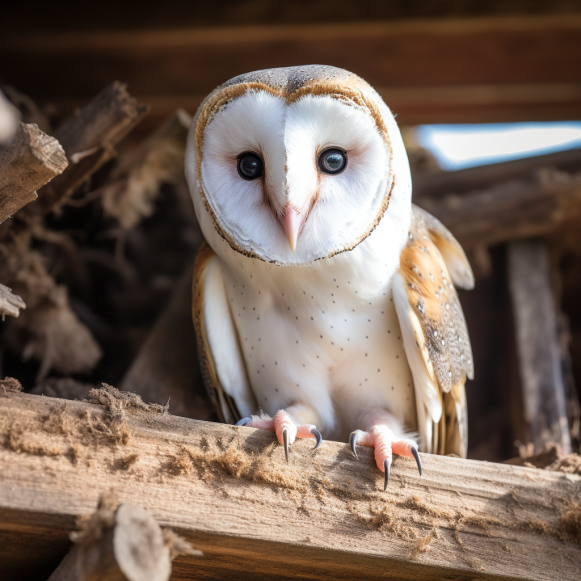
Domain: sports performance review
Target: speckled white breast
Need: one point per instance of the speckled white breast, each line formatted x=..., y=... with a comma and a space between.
x=326, y=335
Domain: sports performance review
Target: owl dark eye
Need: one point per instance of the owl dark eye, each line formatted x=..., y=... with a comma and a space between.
x=250, y=165
x=332, y=161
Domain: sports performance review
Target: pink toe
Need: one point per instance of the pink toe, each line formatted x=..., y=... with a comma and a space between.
x=283, y=421
x=305, y=431
x=262, y=423
x=403, y=448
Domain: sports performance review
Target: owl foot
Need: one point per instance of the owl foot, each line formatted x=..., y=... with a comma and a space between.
x=381, y=438
x=285, y=429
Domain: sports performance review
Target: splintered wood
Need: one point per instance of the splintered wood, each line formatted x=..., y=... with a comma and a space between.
x=229, y=491
x=27, y=161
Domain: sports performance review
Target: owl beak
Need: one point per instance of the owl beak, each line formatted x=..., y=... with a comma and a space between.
x=292, y=223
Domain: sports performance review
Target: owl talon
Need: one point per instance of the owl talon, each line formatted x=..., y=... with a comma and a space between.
x=353, y=437
x=386, y=468
x=244, y=421
x=285, y=442
x=417, y=457
x=318, y=437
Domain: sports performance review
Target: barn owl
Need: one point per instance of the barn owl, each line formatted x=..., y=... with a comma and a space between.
x=323, y=300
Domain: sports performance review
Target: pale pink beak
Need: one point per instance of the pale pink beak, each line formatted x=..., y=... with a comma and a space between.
x=292, y=224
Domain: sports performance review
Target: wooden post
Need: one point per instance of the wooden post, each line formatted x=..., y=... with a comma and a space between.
x=126, y=545
x=535, y=317
x=166, y=367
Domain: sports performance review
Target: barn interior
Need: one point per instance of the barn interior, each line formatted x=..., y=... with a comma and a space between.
x=103, y=258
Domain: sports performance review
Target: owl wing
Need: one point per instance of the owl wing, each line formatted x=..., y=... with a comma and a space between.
x=221, y=360
x=434, y=331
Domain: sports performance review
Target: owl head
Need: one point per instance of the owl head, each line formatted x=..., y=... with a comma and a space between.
x=296, y=164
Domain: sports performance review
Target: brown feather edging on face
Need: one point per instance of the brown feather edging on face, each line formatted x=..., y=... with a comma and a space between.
x=351, y=90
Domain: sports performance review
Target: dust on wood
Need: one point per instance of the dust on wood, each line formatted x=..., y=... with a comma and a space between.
x=116, y=402
x=10, y=385
x=230, y=468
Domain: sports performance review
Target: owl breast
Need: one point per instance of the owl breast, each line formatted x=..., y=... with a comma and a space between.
x=322, y=335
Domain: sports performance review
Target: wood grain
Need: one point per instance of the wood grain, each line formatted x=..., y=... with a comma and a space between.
x=534, y=205
x=535, y=319
x=230, y=492
x=438, y=70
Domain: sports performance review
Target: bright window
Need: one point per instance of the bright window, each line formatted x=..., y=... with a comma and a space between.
x=459, y=146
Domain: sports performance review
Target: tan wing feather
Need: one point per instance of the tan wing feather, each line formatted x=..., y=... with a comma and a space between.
x=225, y=405
x=430, y=256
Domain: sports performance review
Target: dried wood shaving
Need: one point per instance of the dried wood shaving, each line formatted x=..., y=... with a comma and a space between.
x=177, y=545
x=116, y=402
x=10, y=385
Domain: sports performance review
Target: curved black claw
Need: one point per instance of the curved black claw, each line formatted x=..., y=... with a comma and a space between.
x=417, y=457
x=285, y=442
x=318, y=437
x=244, y=421
x=386, y=467
x=353, y=437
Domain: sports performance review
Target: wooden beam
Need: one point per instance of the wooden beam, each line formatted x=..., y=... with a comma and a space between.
x=439, y=184
x=27, y=162
x=434, y=70
x=229, y=491
x=88, y=138
x=535, y=319
x=521, y=205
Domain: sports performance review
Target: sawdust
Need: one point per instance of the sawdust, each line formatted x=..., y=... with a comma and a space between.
x=422, y=545
x=116, y=402
x=212, y=459
x=388, y=519
x=571, y=524
x=419, y=505
x=19, y=439
x=60, y=432
x=457, y=537
x=109, y=431
x=10, y=385
x=127, y=462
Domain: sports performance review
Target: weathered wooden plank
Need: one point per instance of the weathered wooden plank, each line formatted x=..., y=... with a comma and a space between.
x=88, y=138
x=321, y=516
x=540, y=80
x=439, y=184
x=535, y=319
x=534, y=205
x=29, y=160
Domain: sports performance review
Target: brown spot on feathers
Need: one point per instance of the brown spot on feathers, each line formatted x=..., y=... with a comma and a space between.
x=439, y=326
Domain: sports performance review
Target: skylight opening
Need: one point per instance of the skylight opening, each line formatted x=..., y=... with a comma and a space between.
x=460, y=146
